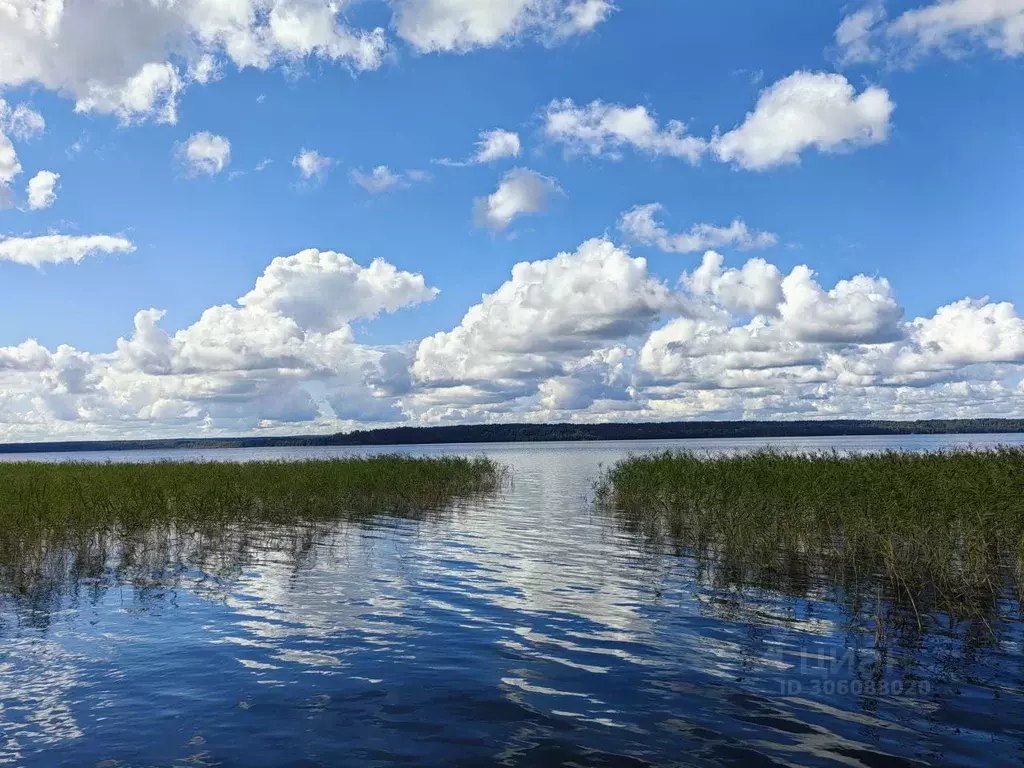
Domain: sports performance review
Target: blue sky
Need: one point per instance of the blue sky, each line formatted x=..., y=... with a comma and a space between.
x=907, y=174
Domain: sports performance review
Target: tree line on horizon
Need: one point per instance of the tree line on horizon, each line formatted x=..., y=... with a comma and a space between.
x=520, y=433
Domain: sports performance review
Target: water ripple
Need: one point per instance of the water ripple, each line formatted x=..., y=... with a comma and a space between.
x=525, y=630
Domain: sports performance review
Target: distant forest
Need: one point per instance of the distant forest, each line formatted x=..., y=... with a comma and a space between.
x=525, y=433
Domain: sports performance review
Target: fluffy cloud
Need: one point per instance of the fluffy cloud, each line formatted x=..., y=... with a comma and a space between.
x=550, y=312
x=493, y=145
x=311, y=164
x=999, y=25
x=27, y=356
x=606, y=129
x=461, y=25
x=294, y=322
x=42, y=190
x=134, y=59
x=854, y=36
x=777, y=364
x=959, y=338
x=802, y=111
x=204, y=153
x=580, y=337
x=861, y=310
x=23, y=123
x=152, y=93
x=599, y=382
x=497, y=144
x=520, y=192
x=58, y=249
x=324, y=291
x=951, y=27
x=713, y=353
x=10, y=167
x=971, y=331
x=587, y=335
x=756, y=288
x=640, y=225
x=380, y=179
x=584, y=15
x=283, y=355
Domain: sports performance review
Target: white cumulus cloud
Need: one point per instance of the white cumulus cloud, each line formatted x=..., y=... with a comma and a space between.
x=640, y=225
x=150, y=93
x=311, y=164
x=19, y=122
x=323, y=291
x=755, y=288
x=588, y=335
x=802, y=111
x=42, y=190
x=496, y=145
x=520, y=192
x=861, y=309
x=133, y=59
x=950, y=27
x=58, y=249
x=239, y=367
x=549, y=312
x=10, y=166
x=493, y=145
x=805, y=110
x=204, y=153
x=380, y=179
x=462, y=25
x=583, y=16
x=583, y=337
x=606, y=129
x=999, y=24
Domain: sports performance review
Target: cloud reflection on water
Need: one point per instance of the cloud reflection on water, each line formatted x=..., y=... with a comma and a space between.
x=527, y=628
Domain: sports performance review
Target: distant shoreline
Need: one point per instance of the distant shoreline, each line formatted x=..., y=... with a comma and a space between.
x=527, y=433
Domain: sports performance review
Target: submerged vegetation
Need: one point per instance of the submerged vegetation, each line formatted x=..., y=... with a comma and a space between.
x=78, y=495
x=933, y=530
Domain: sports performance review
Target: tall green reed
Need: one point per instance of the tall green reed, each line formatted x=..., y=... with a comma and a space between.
x=69, y=494
x=937, y=528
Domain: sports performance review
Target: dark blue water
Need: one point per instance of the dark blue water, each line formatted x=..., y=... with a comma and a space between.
x=529, y=629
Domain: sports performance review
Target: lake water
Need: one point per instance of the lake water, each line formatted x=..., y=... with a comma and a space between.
x=529, y=629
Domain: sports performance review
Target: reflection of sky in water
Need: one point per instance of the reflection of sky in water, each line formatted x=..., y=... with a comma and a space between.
x=34, y=678
x=526, y=629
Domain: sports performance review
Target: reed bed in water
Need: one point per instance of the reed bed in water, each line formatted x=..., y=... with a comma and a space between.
x=91, y=496
x=150, y=523
x=947, y=525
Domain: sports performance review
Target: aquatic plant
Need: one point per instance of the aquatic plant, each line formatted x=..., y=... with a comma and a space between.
x=79, y=495
x=62, y=518
x=937, y=528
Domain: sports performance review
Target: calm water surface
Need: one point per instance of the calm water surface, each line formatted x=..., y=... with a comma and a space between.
x=528, y=629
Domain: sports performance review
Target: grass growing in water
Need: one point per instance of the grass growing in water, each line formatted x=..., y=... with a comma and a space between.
x=90, y=496
x=149, y=523
x=938, y=528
